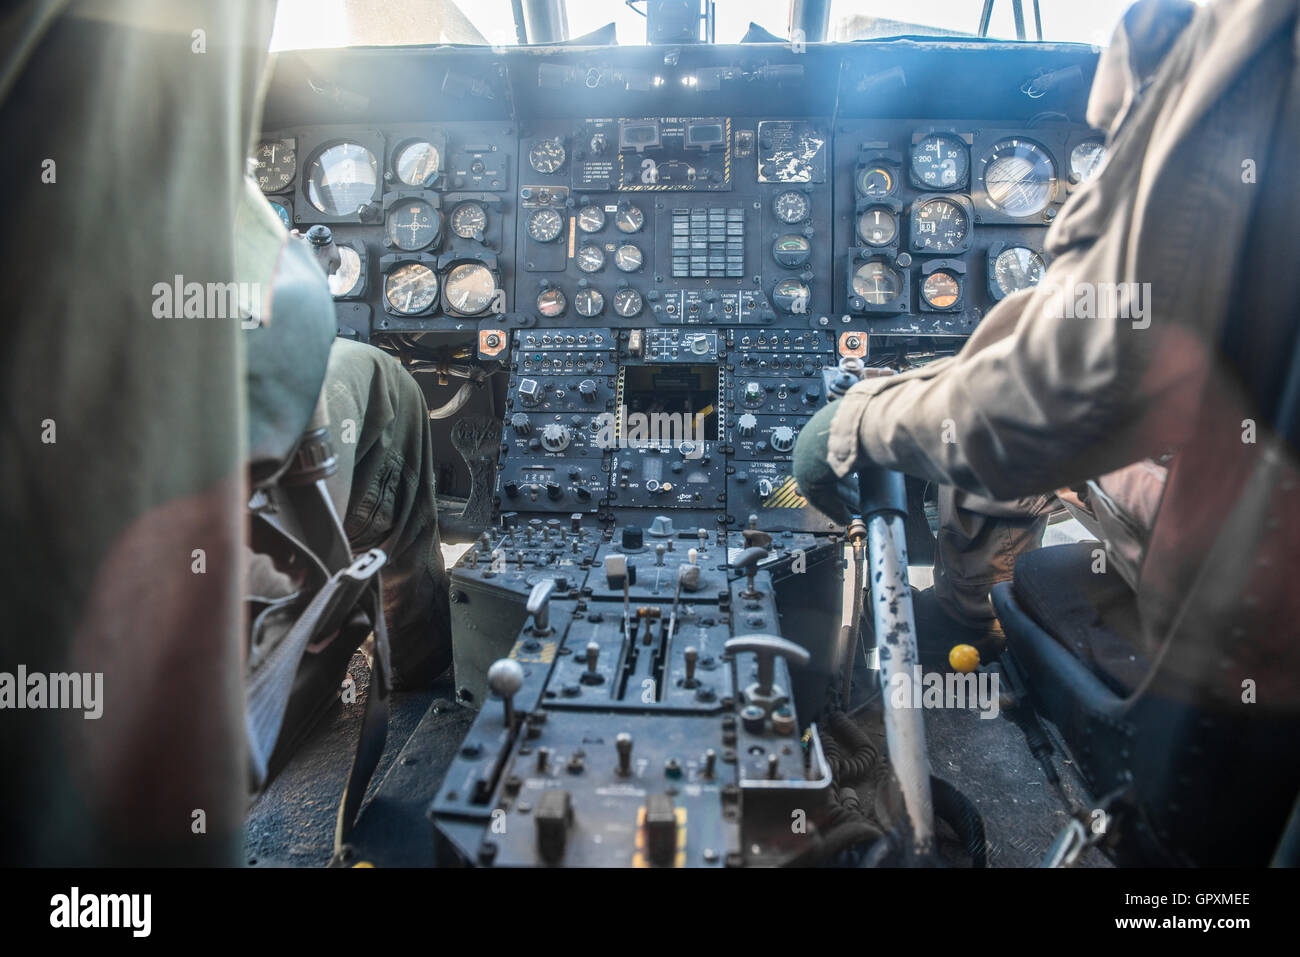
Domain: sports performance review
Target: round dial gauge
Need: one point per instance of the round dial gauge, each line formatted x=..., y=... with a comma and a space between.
x=628, y=258
x=877, y=283
x=551, y=302
x=629, y=218
x=791, y=295
x=791, y=251
x=342, y=179
x=416, y=163
x=1016, y=268
x=545, y=225
x=791, y=207
x=590, y=258
x=588, y=302
x=591, y=219
x=282, y=211
x=410, y=288
x=875, y=182
x=627, y=303
x=1019, y=178
x=1086, y=159
x=276, y=161
x=878, y=226
x=940, y=161
x=941, y=289
x=939, y=226
x=469, y=289
x=347, y=277
x=546, y=156
x=469, y=220
x=412, y=224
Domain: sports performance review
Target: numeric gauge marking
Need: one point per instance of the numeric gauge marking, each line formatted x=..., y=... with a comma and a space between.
x=416, y=163
x=629, y=218
x=469, y=289
x=342, y=179
x=939, y=226
x=590, y=258
x=940, y=161
x=547, y=156
x=410, y=288
x=545, y=225
x=469, y=220
x=628, y=258
x=1015, y=268
x=1086, y=160
x=791, y=207
x=627, y=303
x=276, y=162
x=591, y=219
x=941, y=289
x=791, y=251
x=588, y=302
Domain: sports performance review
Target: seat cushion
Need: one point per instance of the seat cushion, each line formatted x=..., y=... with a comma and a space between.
x=1093, y=614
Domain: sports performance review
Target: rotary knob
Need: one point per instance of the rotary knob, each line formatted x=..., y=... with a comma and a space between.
x=753, y=393
x=522, y=425
x=747, y=425
x=587, y=389
x=782, y=438
x=555, y=438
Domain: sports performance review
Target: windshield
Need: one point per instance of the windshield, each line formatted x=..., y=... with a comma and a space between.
x=302, y=24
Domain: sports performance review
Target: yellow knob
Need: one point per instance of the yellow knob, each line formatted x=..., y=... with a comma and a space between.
x=964, y=658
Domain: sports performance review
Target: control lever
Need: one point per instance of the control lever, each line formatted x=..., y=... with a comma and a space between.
x=764, y=692
x=747, y=561
x=539, y=606
x=688, y=577
x=505, y=678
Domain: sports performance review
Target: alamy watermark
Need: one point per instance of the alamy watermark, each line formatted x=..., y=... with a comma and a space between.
x=682, y=430
x=980, y=690
x=179, y=299
x=75, y=691
x=1099, y=300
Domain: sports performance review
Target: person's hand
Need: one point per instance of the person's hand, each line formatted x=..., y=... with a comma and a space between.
x=836, y=497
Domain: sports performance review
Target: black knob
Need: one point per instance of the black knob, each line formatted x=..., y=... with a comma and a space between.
x=633, y=538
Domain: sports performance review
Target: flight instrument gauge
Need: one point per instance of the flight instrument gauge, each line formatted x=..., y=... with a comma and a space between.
x=469, y=220
x=627, y=303
x=1086, y=160
x=551, y=302
x=791, y=207
x=1019, y=178
x=410, y=288
x=590, y=258
x=629, y=218
x=591, y=219
x=628, y=258
x=342, y=178
x=547, y=156
x=469, y=289
x=416, y=163
x=941, y=289
x=878, y=226
x=791, y=251
x=345, y=280
x=588, y=302
x=1014, y=268
x=875, y=182
x=940, y=161
x=412, y=224
x=939, y=226
x=276, y=162
x=545, y=225
x=791, y=296
x=876, y=283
